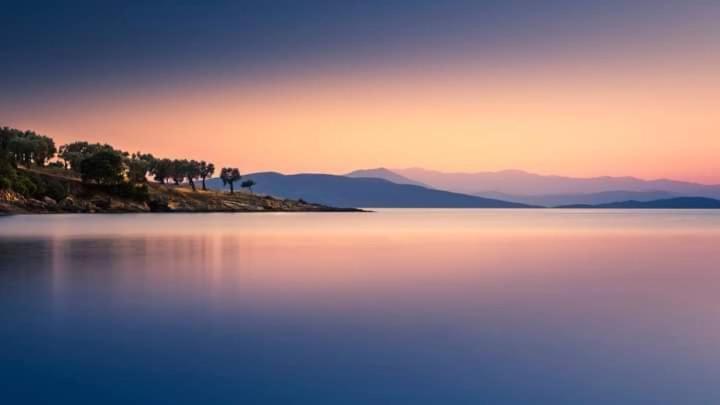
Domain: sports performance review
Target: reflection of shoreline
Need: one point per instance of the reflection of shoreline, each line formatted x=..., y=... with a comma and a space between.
x=286, y=265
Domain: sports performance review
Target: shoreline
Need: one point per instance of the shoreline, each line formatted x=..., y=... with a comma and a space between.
x=309, y=211
x=113, y=205
x=82, y=198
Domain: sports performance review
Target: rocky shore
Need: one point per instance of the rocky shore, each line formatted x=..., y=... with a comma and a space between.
x=161, y=198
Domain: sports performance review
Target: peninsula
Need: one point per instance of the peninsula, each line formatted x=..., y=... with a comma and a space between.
x=37, y=178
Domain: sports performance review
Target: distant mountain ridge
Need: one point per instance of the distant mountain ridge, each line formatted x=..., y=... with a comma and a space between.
x=671, y=203
x=605, y=197
x=386, y=174
x=548, y=191
x=520, y=183
x=343, y=191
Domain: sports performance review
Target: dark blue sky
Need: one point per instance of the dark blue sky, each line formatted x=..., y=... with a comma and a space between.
x=54, y=44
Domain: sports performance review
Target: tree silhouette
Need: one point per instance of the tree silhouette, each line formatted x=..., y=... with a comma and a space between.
x=161, y=169
x=27, y=147
x=103, y=167
x=137, y=170
x=191, y=170
x=229, y=176
x=206, y=170
x=138, y=167
x=177, y=171
x=73, y=154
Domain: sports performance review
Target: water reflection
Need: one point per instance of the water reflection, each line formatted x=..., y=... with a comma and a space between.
x=400, y=306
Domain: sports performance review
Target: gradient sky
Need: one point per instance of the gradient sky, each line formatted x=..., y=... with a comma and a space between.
x=569, y=87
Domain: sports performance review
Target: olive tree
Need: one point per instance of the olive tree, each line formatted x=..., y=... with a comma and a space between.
x=229, y=176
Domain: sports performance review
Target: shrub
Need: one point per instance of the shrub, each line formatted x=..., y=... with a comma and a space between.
x=137, y=192
x=55, y=189
x=5, y=183
x=7, y=171
x=40, y=185
x=25, y=186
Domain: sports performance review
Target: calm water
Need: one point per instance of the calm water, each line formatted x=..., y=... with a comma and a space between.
x=392, y=307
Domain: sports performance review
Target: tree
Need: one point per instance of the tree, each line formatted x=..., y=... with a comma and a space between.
x=177, y=171
x=229, y=176
x=43, y=149
x=6, y=135
x=137, y=170
x=139, y=165
x=248, y=184
x=20, y=149
x=103, y=167
x=206, y=170
x=27, y=147
x=191, y=170
x=161, y=169
x=74, y=153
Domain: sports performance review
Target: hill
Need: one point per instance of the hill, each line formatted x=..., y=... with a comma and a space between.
x=670, y=203
x=73, y=196
x=345, y=191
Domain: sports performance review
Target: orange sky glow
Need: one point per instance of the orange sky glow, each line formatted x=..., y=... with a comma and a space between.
x=651, y=115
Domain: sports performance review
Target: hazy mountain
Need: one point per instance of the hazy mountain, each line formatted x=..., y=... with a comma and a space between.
x=672, y=203
x=342, y=191
x=520, y=183
x=383, y=173
x=606, y=197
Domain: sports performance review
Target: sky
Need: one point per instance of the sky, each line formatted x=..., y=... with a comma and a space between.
x=566, y=87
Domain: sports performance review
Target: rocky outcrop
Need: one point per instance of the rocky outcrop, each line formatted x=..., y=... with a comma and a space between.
x=161, y=199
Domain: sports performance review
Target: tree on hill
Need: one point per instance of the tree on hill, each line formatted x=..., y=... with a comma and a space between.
x=177, y=171
x=139, y=166
x=73, y=153
x=161, y=169
x=137, y=170
x=103, y=167
x=206, y=170
x=229, y=176
x=27, y=148
x=44, y=149
x=248, y=184
x=191, y=170
x=20, y=150
x=94, y=162
x=7, y=134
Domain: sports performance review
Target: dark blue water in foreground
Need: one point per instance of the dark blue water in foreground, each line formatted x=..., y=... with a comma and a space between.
x=394, y=307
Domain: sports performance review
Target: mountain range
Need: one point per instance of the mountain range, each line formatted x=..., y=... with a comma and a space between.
x=364, y=192
x=535, y=189
x=420, y=188
x=518, y=182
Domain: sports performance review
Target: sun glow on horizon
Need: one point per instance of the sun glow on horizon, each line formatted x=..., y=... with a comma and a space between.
x=605, y=103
